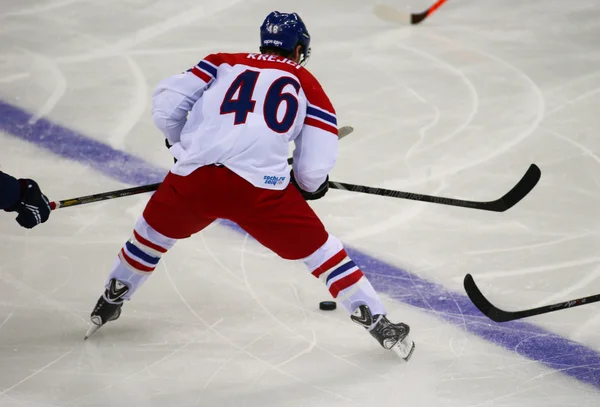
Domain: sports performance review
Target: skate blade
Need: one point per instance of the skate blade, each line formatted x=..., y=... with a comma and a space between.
x=404, y=348
x=96, y=323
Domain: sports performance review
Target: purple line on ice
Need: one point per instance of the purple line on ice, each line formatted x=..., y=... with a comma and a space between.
x=528, y=340
x=69, y=144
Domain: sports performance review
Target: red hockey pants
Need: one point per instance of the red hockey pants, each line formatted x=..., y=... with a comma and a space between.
x=280, y=220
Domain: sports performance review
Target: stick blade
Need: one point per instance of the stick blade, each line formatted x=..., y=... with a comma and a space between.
x=482, y=303
x=518, y=192
x=387, y=13
x=416, y=18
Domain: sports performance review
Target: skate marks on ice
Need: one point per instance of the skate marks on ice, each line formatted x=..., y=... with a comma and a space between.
x=243, y=350
x=36, y=372
x=148, y=33
x=418, y=46
x=452, y=309
x=528, y=340
x=273, y=306
x=527, y=123
x=5, y=320
x=99, y=51
x=42, y=8
x=74, y=146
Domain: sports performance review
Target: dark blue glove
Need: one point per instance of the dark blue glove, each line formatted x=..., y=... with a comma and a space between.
x=311, y=196
x=10, y=191
x=33, y=206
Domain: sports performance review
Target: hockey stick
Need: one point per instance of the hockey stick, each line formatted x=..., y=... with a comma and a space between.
x=510, y=199
x=498, y=315
x=121, y=193
x=388, y=13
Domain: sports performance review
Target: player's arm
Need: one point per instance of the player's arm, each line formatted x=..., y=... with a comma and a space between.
x=9, y=191
x=316, y=149
x=175, y=96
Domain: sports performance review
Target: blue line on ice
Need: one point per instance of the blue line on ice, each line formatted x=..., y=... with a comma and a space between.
x=528, y=340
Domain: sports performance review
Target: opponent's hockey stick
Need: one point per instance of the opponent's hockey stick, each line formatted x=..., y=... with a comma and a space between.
x=388, y=13
x=498, y=315
x=510, y=199
x=121, y=193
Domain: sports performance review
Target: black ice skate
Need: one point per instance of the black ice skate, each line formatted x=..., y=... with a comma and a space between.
x=391, y=336
x=108, y=307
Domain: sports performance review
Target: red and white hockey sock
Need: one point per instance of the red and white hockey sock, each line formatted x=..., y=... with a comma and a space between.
x=344, y=279
x=140, y=256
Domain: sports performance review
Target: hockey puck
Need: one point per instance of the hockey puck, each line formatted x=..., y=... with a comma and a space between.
x=327, y=305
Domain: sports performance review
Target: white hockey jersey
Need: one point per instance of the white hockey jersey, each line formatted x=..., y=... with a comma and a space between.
x=241, y=111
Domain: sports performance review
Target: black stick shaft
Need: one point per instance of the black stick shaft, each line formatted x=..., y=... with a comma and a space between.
x=557, y=307
x=405, y=195
x=511, y=198
x=121, y=193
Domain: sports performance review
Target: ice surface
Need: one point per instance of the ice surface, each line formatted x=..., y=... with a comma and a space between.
x=458, y=106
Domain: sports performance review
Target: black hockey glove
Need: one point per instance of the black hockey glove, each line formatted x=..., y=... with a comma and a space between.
x=169, y=145
x=33, y=206
x=311, y=196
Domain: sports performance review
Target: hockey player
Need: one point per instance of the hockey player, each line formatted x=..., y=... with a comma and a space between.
x=229, y=121
x=24, y=197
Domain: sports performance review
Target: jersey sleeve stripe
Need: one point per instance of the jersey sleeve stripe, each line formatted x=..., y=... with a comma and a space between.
x=309, y=121
x=208, y=68
x=206, y=61
x=321, y=114
x=202, y=75
x=321, y=120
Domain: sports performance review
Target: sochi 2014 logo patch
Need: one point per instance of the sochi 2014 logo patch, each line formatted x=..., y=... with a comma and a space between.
x=272, y=180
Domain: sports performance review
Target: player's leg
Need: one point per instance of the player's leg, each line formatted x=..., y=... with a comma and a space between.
x=285, y=223
x=171, y=214
x=347, y=283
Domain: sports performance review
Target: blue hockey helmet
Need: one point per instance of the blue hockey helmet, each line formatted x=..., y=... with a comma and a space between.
x=285, y=31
